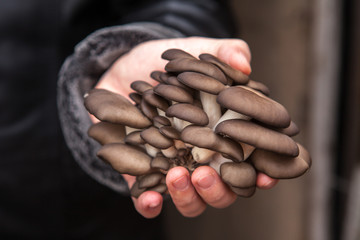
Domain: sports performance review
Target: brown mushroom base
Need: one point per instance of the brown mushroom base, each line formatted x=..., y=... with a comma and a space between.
x=202, y=112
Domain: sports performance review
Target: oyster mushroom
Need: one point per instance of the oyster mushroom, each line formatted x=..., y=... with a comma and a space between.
x=125, y=159
x=249, y=103
x=281, y=166
x=105, y=132
x=111, y=107
x=202, y=112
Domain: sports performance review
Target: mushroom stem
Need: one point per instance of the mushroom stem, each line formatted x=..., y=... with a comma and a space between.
x=152, y=151
x=170, y=152
x=202, y=155
x=180, y=124
x=129, y=130
x=211, y=107
x=230, y=114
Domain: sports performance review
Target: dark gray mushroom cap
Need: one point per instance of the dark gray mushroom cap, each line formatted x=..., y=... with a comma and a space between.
x=174, y=53
x=104, y=132
x=170, y=132
x=174, y=81
x=258, y=136
x=150, y=180
x=279, y=166
x=164, y=121
x=254, y=105
x=188, y=112
x=194, y=65
x=204, y=137
x=111, y=107
x=125, y=159
x=201, y=82
x=134, y=138
x=259, y=87
x=173, y=93
x=140, y=86
x=155, y=100
x=242, y=175
x=135, y=97
x=236, y=75
x=156, y=76
x=244, y=192
x=149, y=110
x=160, y=188
x=291, y=130
x=135, y=191
x=160, y=162
x=153, y=137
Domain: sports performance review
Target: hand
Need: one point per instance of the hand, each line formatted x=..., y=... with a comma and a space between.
x=192, y=194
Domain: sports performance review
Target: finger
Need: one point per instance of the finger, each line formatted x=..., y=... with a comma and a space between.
x=183, y=194
x=149, y=203
x=236, y=53
x=263, y=181
x=211, y=188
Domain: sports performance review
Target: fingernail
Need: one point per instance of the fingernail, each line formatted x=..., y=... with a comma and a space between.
x=181, y=183
x=206, y=182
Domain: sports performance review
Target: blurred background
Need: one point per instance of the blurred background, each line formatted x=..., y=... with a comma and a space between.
x=307, y=52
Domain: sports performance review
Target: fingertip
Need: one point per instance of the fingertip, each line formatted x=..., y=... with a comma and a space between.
x=265, y=182
x=149, y=204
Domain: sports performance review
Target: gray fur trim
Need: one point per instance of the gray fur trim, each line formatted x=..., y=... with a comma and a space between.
x=79, y=73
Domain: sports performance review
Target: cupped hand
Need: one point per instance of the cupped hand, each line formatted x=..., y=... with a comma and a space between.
x=190, y=194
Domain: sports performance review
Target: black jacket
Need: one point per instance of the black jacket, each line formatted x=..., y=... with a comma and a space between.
x=44, y=192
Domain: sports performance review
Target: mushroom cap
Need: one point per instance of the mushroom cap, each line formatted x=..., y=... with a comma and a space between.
x=104, y=132
x=135, y=191
x=134, y=138
x=125, y=159
x=160, y=188
x=204, y=137
x=173, y=93
x=155, y=100
x=193, y=65
x=241, y=175
x=111, y=107
x=163, y=121
x=174, y=53
x=258, y=86
x=140, y=86
x=188, y=112
x=236, y=75
x=156, y=76
x=150, y=180
x=291, y=130
x=280, y=166
x=160, y=162
x=243, y=192
x=135, y=97
x=254, y=105
x=258, y=136
x=153, y=137
x=170, y=132
x=201, y=82
x=148, y=110
x=174, y=81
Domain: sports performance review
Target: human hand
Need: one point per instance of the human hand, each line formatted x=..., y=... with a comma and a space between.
x=190, y=194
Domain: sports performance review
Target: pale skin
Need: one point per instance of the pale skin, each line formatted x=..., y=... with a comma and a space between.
x=190, y=194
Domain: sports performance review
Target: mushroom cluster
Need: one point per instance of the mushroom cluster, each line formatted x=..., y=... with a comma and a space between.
x=201, y=112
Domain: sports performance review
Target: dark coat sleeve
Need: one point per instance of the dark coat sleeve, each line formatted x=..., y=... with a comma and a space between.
x=95, y=54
